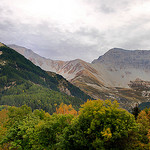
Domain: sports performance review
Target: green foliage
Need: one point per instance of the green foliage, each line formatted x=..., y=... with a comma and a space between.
x=16, y=114
x=2, y=107
x=100, y=125
x=3, y=80
x=18, y=68
x=37, y=97
x=34, y=130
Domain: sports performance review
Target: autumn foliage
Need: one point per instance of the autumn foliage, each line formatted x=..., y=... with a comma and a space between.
x=66, y=109
x=97, y=125
x=3, y=119
x=143, y=121
x=3, y=129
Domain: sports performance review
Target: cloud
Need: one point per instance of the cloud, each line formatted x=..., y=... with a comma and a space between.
x=74, y=29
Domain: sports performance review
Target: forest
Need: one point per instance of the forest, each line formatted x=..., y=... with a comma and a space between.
x=37, y=97
x=97, y=125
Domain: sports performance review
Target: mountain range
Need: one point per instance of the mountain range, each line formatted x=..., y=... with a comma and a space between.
x=111, y=76
x=22, y=82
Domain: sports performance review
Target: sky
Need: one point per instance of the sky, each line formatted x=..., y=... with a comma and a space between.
x=75, y=29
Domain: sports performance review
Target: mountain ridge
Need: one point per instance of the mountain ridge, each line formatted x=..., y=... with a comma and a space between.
x=21, y=82
x=135, y=58
x=107, y=77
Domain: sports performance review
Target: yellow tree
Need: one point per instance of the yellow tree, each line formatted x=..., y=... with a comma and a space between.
x=66, y=109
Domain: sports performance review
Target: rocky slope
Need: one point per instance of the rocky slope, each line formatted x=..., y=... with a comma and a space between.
x=124, y=65
x=108, y=76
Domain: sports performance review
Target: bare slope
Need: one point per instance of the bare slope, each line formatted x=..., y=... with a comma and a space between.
x=123, y=66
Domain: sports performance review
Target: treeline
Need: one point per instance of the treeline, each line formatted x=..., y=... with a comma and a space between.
x=99, y=125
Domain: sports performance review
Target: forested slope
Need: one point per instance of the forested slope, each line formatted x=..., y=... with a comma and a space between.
x=21, y=82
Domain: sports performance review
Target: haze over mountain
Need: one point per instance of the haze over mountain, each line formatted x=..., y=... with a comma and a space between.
x=108, y=76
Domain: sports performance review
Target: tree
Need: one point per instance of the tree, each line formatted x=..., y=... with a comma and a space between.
x=17, y=114
x=66, y=109
x=135, y=111
x=3, y=120
x=143, y=134
x=34, y=130
x=3, y=80
x=100, y=125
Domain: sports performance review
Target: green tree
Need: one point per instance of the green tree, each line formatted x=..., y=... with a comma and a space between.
x=3, y=80
x=34, y=130
x=135, y=111
x=100, y=125
x=17, y=114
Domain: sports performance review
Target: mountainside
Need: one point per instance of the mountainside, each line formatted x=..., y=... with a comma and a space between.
x=126, y=73
x=124, y=66
x=108, y=77
x=21, y=82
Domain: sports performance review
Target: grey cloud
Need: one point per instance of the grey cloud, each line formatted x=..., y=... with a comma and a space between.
x=131, y=36
x=6, y=25
x=92, y=32
x=104, y=8
x=111, y=6
x=66, y=47
x=49, y=40
x=5, y=11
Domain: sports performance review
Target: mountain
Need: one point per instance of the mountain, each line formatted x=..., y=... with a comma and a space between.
x=124, y=71
x=124, y=66
x=22, y=82
x=108, y=77
x=45, y=64
x=125, y=58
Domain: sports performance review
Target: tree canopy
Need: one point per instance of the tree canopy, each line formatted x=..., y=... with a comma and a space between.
x=97, y=125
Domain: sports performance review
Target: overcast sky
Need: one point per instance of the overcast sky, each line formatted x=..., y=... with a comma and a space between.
x=71, y=29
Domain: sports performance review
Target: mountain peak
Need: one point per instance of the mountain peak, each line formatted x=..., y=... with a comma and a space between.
x=113, y=51
x=125, y=58
x=116, y=49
